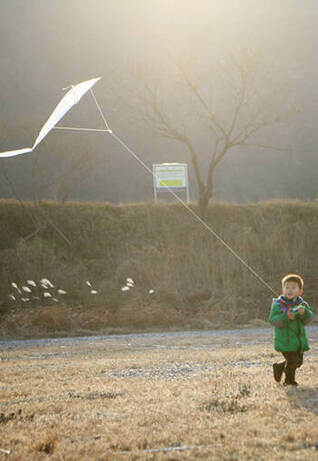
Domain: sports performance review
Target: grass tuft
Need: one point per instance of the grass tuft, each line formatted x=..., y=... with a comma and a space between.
x=47, y=444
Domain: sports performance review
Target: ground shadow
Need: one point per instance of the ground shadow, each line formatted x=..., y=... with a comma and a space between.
x=304, y=396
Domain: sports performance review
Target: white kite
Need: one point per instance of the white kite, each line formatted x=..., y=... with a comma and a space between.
x=71, y=98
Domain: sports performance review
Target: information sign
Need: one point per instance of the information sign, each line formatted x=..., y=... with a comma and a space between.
x=172, y=176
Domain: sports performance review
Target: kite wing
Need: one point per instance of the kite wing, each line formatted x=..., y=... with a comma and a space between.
x=71, y=98
x=13, y=153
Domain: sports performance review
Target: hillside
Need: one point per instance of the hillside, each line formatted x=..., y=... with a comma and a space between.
x=182, y=276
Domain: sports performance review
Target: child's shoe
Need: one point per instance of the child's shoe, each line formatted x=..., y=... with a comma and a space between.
x=278, y=369
x=290, y=378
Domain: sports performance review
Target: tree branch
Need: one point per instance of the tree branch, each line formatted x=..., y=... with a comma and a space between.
x=200, y=99
x=171, y=132
x=240, y=102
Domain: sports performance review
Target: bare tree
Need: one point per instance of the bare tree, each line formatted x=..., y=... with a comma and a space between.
x=76, y=167
x=229, y=107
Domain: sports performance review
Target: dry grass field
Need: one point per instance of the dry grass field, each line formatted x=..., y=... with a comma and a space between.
x=163, y=397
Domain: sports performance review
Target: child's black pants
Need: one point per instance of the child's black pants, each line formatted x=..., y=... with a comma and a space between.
x=293, y=360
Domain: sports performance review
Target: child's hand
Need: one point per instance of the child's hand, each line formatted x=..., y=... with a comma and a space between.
x=301, y=311
x=291, y=315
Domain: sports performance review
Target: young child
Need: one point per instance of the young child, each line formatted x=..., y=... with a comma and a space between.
x=289, y=315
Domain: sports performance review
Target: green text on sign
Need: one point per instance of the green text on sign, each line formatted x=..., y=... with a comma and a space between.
x=171, y=183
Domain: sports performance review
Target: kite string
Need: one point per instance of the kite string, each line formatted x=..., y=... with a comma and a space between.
x=196, y=216
x=193, y=213
x=100, y=110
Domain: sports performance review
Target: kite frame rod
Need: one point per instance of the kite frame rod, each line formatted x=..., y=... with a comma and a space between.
x=70, y=128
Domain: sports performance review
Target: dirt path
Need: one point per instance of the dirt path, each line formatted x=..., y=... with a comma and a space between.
x=170, y=340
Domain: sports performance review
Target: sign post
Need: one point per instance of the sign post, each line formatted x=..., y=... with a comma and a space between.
x=172, y=176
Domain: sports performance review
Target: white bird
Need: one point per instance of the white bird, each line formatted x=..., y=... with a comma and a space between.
x=61, y=292
x=151, y=292
x=125, y=288
x=46, y=294
x=16, y=287
x=25, y=299
x=46, y=282
x=129, y=280
x=88, y=283
x=93, y=292
x=27, y=289
x=31, y=282
x=11, y=296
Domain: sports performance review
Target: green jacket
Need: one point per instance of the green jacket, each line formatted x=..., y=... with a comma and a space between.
x=290, y=335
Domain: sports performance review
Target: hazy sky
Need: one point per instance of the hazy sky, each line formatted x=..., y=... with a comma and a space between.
x=47, y=44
